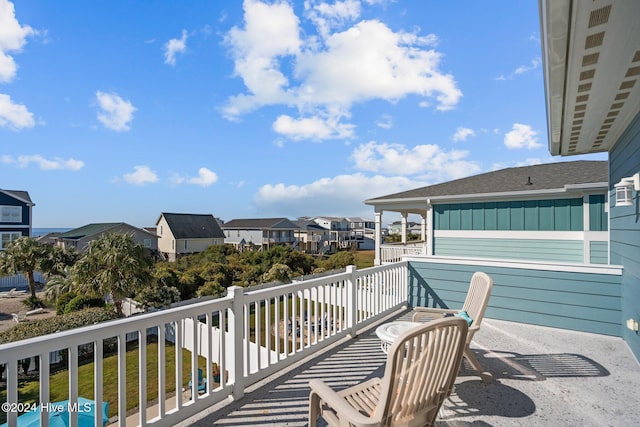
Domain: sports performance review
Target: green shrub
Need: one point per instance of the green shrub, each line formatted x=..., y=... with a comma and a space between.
x=81, y=302
x=63, y=300
x=32, y=302
x=36, y=328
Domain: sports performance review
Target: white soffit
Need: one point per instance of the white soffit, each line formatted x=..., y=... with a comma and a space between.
x=591, y=51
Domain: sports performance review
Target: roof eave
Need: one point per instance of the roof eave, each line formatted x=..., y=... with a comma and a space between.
x=567, y=189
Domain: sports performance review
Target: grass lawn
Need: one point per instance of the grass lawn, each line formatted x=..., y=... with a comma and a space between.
x=28, y=389
x=364, y=259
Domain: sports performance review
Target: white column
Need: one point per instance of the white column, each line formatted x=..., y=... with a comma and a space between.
x=585, y=229
x=429, y=234
x=378, y=237
x=423, y=227
x=403, y=228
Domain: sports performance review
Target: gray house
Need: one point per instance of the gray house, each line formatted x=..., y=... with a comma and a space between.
x=181, y=234
x=79, y=238
x=260, y=233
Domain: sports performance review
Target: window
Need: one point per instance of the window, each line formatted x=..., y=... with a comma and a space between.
x=11, y=214
x=6, y=238
x=147, y=243
x=185, y=244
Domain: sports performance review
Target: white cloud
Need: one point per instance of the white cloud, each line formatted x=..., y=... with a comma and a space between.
x=205, y=178
x=364, y=62
x=13, y=37
x=535, y=63
x=174, y=47
x=56, y=163
x=141, y=175
x=462, y=134
x=429, y=161
x=326, y=16
x=526, y=162
x=521, y=136
x=312, y=128
x=329, y=196
x=385, y=122
x=116, y=113
x=14, y=116
x=271, y=31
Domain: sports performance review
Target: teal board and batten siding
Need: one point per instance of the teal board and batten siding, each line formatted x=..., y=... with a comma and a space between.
x=530, y=215
x=624, y=161
x=561, y=296
x=525, y=249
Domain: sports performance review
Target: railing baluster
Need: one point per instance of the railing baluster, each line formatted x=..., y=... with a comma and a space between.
x=142, y=376
x=162, y=384
x=209, y=355
x=122, y=380
x=195, y=333
x=222, y=337
x=97, y=381
x=178, y=363
x=73, y=383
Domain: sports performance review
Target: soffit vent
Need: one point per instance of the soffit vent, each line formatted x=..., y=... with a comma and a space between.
x=599, y=16
x=636, y=57
x=627, y=85
x=633, y=71
x=586, y=75
x=584, y=87
x=591, y=59
x=594, y=40
x=583, y=98
x=621, y=96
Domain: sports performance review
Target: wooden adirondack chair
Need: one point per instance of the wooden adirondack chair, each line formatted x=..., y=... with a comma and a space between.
x=475, y=305
x=420, y=373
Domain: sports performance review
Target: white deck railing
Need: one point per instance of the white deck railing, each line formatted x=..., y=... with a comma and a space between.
x=391, y=253
x=248, y=334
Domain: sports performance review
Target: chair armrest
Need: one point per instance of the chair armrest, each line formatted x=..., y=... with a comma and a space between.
x=426, y=312
x=340, y=405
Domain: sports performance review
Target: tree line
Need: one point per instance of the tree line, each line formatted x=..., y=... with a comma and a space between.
x=115, y=266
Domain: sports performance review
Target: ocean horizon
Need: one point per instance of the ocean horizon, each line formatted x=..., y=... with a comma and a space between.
x=37, y=232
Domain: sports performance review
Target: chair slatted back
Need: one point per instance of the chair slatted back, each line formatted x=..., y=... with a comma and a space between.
x=478, y=297
x=421, y=370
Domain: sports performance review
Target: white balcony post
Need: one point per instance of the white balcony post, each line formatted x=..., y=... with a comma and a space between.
x=404, y=228
x=236, y=331
x=378, y=236
x=352, y=300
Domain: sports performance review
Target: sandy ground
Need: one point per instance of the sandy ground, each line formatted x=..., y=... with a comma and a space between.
x=8, y=306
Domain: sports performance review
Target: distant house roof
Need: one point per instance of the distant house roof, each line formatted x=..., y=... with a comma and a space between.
x=307, y=225
x=259, y=223
x=193, y=226
x=23, y=196
x=88, y=230
x=543, y=178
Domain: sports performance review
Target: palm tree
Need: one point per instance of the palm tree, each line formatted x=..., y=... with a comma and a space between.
x=23, y=256
x=112, y=264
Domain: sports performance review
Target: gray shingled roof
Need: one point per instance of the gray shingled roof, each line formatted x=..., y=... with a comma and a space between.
x=19, y=194
x=88, y=230
x=548, y=176
x=259, y=223
x=193, y=226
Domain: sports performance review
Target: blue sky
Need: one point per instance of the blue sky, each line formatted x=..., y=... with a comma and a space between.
x=117, y=110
